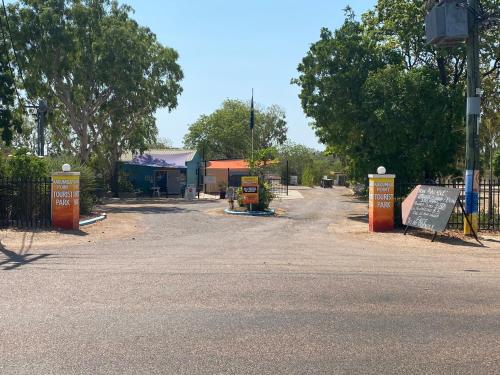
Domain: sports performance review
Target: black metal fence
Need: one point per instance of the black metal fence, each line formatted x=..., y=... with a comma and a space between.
x=274, y=173
x=277, y=176
x=25, y=203
x=277, y=185
x=489, y=202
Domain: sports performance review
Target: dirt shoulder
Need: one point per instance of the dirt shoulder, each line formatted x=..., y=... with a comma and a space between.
x=124, y=218
x=116, y=225
x=353, y=222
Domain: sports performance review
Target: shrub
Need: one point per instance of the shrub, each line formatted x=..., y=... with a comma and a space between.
x=239, y=196
x=25, y=166
x=307, y=177
x=265, y=196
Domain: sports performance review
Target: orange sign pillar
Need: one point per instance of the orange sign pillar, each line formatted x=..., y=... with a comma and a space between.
x=381, y=207
x=65, y=202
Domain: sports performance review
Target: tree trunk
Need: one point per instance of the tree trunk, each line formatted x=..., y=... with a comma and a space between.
x=84, y=143
x=442, y=71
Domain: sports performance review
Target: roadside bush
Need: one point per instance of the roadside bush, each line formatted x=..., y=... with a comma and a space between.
x=239, y=196
x=265, y=196
x=87, y=179
x=307, y=177
x=22, y=165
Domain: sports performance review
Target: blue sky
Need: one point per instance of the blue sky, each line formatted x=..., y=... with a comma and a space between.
x=228, y=47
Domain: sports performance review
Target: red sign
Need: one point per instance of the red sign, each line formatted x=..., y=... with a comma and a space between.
x=65, y=201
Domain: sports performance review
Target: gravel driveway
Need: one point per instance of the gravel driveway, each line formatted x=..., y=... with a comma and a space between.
x=181, y=288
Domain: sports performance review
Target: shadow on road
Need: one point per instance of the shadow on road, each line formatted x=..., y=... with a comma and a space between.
x=12, y=260
x=446, y=237
x=363, y=218
x=144, y=209
x=145, y=201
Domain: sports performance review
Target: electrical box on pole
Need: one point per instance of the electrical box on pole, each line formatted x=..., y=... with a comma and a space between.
x=446, y=25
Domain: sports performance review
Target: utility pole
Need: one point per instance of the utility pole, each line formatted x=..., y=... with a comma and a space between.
x=472, y=159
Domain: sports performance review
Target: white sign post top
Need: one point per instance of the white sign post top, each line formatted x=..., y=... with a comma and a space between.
x=381, y=176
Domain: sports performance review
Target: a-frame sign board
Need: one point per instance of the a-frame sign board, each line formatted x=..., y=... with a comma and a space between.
x=430, y=207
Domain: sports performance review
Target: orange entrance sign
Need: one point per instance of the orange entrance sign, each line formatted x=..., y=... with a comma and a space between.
x=381, y=204
x=65, y=202
x=250, y=187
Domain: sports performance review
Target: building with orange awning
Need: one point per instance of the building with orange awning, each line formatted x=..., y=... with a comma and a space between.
x=223, y=173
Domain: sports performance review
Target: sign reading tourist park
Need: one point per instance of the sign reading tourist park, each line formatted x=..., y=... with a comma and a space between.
x=429, y=207
x=65, y=200
x=250, y=187
x=381, y=203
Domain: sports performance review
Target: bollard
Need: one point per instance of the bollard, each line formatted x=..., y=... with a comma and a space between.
x=381, y=201
x=65, y=199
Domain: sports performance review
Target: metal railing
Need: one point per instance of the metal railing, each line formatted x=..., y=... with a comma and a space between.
x=25, y=203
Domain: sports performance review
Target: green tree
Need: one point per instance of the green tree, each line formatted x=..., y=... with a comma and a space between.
x=416, y=133
x=332, y=77
x=97, y=66
x=225, y=134
x=9, y=118
x=161, y=143
x=490, y=129
x=370, y=88
x=307, y=164
x=399, y=24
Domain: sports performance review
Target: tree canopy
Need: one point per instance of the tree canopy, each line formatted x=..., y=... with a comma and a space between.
x=9, y=117
x=103, y=74
x=225, y=134
x=378, y=94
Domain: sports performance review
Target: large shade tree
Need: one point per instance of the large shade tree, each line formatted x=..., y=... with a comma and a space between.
x=225, y=134
x=102, y=73
x=378, y=94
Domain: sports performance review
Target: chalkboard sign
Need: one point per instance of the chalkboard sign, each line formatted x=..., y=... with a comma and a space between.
x=429, y=207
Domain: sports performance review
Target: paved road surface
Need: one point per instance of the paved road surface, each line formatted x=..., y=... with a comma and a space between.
x=197, y=292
